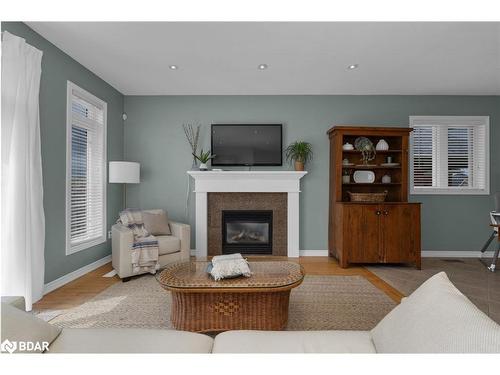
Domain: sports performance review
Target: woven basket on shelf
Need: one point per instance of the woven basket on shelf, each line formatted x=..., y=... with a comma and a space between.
x=367, y=197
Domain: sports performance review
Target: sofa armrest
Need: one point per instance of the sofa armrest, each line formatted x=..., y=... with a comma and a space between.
x=15, y=301
x=183, y=232
x=122, y=239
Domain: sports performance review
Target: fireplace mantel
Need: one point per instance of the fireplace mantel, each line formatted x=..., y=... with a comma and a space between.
x=247, y=181
x=242, y=182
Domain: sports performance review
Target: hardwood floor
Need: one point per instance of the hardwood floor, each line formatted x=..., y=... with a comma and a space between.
x=86, y=287
x=78, y=291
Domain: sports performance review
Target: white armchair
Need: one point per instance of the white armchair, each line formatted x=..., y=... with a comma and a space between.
x=172, y=248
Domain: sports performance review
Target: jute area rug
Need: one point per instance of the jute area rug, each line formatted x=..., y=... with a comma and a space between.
x=319, y=303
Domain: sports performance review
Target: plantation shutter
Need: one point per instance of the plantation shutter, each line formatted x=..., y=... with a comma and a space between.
x=450, y=155
x=425, y=156
x=87, y=170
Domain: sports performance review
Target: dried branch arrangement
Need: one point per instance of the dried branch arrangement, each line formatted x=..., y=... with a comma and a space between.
x=192, y=135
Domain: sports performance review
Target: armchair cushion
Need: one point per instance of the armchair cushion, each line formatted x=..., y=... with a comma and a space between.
x=168, y=244
x=156, y=222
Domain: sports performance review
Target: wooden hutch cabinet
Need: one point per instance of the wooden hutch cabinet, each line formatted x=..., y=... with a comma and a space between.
x=365, y=232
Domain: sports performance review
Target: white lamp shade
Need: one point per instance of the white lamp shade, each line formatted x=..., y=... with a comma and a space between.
x=124, y=172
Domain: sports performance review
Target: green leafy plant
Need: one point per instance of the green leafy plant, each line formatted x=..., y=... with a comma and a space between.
x=204, y=157
x=299, y=151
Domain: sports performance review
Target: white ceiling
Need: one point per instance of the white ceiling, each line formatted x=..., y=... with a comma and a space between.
x=303, y=57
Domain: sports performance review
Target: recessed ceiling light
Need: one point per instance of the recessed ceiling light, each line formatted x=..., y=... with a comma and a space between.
x=353, y=66
x=262, y=66
x=173, y=67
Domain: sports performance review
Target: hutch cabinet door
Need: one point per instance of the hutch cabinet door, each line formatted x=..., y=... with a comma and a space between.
x=361, y=233
x=399, y=225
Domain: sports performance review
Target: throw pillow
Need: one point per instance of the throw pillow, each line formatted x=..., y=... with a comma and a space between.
x=156, y=223
x=436, y=318
x=18, y=325
x=229, y=266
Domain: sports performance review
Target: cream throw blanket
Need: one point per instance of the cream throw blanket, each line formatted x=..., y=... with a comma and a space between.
x=145, y=248
x=227, y=266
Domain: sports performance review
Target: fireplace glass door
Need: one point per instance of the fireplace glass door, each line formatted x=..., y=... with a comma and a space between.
x=247, y=231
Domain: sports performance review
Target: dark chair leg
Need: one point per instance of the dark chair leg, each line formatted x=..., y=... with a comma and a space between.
x=485, y=247
x=491, y=266
x=494, y=260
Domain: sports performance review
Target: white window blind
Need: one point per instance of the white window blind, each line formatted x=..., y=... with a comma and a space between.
x=86, y=170
x=450, y=155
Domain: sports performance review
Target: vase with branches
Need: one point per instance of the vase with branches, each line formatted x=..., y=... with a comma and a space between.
x=300, y=152
x=193, y=136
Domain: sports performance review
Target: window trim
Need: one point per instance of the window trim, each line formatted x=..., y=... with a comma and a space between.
x=452, y=120
x=72, y=249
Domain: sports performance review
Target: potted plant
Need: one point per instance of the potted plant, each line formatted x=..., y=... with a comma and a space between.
x=204, y=158
x=300, y=152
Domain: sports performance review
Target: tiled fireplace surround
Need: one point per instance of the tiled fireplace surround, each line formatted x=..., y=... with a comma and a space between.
x=277, y=202
x=247, y=190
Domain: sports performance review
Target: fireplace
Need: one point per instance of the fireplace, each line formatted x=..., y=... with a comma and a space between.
x=247, y=231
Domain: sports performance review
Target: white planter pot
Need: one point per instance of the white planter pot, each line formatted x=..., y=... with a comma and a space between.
x=203, y=167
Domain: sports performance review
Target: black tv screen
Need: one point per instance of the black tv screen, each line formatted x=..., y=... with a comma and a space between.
x=246, y=144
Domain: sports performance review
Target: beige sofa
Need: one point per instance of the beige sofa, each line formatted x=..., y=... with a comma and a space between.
x=172, y=248
x=436, y=318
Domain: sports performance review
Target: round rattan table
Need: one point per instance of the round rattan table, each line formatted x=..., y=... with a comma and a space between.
x=259, y=302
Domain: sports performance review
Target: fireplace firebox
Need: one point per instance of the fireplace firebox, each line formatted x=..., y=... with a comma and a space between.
x=247, y=231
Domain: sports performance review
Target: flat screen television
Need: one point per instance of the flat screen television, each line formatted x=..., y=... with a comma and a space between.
x=246, y=144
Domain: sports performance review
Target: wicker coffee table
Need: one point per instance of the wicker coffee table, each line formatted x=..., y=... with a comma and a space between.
x=260, y=302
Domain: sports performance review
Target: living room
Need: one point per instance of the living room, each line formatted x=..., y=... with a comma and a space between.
x=250, y=187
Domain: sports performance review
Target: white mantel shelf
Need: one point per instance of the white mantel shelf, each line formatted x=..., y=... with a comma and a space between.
x=247, y=182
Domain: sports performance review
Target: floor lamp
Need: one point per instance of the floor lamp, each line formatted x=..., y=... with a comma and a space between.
x=124, y=172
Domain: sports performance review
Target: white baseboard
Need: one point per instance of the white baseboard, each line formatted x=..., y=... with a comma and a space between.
x=57, y=283
x=455, y=254
x=313, y=253
x=424, y=254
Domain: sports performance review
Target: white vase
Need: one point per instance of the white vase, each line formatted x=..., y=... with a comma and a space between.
x=382, y=145
x=203, y=167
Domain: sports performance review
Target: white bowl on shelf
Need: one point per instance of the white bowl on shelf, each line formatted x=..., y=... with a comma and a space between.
x=364, y=177
x=347, y=147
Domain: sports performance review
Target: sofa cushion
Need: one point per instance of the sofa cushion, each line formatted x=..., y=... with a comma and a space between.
x=294, y=342
x=436, y=318
x=168, y=244
x=18, y=325
x=156, y=222
x=129, y=340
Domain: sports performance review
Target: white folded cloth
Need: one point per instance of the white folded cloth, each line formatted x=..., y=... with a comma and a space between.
x=227, y=266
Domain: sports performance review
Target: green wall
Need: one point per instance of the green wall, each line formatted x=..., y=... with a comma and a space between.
x=57, y=68
x=154, y=137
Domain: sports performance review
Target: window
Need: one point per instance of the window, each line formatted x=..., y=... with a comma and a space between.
x=85, y=170
x=449, y=155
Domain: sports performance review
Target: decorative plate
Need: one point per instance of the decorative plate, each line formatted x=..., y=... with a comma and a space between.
x=364, y=177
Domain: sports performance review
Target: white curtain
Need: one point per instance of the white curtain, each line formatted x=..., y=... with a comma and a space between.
x=23, y=222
